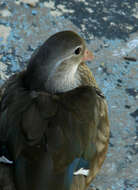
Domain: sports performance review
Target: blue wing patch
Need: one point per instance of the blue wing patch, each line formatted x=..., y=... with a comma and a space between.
x=77, y=164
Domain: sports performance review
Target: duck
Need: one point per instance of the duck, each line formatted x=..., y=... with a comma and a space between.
x=54, y=126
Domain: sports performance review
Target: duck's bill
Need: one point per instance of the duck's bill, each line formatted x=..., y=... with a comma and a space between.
x=88, y=56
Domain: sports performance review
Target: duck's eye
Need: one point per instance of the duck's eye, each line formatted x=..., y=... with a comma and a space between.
x=78, y=51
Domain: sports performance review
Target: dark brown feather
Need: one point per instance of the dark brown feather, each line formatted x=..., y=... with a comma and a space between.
x=44, y=133
x=78, y=116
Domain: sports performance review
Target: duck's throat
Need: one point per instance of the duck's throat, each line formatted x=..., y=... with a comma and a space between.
x=63, y=80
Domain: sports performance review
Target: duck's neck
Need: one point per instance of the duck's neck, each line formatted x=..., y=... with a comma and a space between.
x=63, y=79
x=86, y=76
x=67, y=79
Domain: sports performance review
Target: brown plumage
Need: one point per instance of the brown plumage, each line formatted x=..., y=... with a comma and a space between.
x=51, y=128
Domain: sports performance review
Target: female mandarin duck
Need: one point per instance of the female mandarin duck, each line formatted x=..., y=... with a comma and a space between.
x=53, y=119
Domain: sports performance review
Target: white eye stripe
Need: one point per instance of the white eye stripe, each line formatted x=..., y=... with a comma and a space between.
x=78, y=50
x=58, y=63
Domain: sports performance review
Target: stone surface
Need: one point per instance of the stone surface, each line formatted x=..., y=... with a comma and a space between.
x=111, y=31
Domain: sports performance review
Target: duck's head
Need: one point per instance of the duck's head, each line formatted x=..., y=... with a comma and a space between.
x=54, y=66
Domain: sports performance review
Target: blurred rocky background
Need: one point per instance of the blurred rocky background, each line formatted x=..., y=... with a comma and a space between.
x=110, y=28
